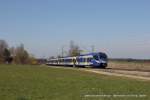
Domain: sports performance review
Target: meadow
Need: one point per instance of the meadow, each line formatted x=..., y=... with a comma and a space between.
x=36, y=82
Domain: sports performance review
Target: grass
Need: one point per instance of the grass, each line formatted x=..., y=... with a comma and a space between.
x=26, y=82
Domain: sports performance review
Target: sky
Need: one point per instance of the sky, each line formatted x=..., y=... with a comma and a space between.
x=120, y=28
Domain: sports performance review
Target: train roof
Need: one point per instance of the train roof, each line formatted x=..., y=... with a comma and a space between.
x=94, y=53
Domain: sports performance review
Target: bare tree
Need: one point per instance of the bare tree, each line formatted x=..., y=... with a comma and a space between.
x=12, y=51
x=74, y=49
x=21, y=55
x=18, y=55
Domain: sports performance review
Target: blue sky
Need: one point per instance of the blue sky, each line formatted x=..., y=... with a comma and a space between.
x=121, y=28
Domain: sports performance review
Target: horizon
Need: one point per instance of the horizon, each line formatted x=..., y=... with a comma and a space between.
x=118, y=28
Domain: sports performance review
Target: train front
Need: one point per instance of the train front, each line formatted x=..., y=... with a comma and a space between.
x=100, y=60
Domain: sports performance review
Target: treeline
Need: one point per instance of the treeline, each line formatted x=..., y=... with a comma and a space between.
x=129, y=60
x=15, y=55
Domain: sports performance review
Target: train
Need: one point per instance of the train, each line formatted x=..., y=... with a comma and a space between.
x=96, y=60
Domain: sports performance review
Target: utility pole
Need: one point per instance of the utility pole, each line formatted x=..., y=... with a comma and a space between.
x=93, y=48
x=62, y=51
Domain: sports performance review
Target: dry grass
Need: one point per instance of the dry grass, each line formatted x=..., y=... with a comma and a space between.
x=133, y=65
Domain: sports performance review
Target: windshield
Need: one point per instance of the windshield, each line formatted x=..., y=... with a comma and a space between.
x=103, y=56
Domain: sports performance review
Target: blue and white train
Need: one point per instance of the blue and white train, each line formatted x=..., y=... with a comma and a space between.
x=98, y=60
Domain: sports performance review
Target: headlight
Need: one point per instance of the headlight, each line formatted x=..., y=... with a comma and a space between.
x=103, y=61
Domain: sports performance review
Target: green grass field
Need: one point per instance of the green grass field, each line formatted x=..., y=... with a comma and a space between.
x=26, y=82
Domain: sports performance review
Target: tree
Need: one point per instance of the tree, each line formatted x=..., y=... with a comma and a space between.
x=12, y=51
x=6, y=53
x=7, y=56
x=74, y=49
x=32, y=60
x=21, y=55
x=16, y=54
x=3, y=47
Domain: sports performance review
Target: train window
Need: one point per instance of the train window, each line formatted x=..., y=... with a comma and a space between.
x=103, y=56
x=88, y=59
x=83, y=59
x=95, y=57
x=66, y=60
x=79, y=59
x=69, y=60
